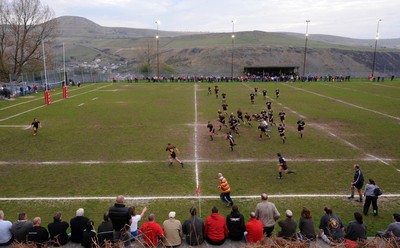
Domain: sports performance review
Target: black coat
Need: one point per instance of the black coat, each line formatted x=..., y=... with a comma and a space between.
x=119, y=216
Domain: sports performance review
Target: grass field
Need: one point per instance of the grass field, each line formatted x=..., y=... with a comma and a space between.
x=109, y=139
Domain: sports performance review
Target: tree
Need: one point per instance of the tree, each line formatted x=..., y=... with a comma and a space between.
x=25, y=24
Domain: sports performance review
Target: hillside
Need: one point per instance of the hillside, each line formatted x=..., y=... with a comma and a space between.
x=211, y=53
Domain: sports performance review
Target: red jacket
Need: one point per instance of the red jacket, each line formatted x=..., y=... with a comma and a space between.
x=254, y=230
x=151, y=232
x=215, y=227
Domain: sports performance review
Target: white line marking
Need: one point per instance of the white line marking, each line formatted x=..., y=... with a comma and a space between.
x=81, y=104
x=346, y=103
x=95, y=98
x=379, y=159
x=16, y=126
x=65, y=198
x=196, y=156
x=390, y=86
x=354, y=90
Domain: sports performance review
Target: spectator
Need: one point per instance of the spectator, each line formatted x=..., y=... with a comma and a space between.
x=306, y=225
x=6, y=236
x=89, y=236
x=58, y=230
x=151, y=232
x=215, y=230
x=225, y=190
x=370, y=197
x=172, y=231
x=120, y=218
x=267, y=213
x=358, y=182
x=105, y=231
x=356, y=230
x=193, y=228
x=78, y=224
x=21, y=227
x=255, y=229
x=393, y=230
x=134, y=221
x=288, y=227
x=38, y=234
x=235, y=224
x=330, y=227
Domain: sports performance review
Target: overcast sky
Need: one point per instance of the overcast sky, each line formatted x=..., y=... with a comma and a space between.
x=347, y=18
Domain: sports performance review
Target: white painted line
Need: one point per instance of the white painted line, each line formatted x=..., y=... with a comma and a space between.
x=389, y=86
x=95, y=98
x=372, y=156
x=196, y=155
x=15, y=126
x=81, y=104
x=148, y=198
x=346, y=103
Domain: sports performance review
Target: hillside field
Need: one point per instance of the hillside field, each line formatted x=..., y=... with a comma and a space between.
x=108, y=139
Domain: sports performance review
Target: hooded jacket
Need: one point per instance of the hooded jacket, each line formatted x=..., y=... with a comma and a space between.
x=236, y=226
x=215, y=227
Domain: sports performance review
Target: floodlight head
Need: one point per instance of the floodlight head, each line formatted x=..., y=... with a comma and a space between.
x=233, y=36
x=158, y=22
x=233, y=21
x=307, y=20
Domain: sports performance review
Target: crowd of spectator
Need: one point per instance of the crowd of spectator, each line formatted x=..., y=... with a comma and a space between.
x=120, y=224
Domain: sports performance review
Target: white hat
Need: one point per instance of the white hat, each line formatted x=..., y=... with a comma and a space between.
x=220, y=175
x=289, y=213
x=172, y=214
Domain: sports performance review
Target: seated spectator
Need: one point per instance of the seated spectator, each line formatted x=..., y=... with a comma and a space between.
x=58, y=230
x=105, y=231
x=172, y=231
x=288, y=227
x=21, y=227
x=235, y=224
x=89, y=236
x=6, y=236
x=193, y=228
x=393, y=230
x=255, y=229
x=306, y=225
x=215, y=230
x=151, y=232
x=78, y=224
x=135, y=220
x=330, y=227
x=356, y=230
x=38, y=234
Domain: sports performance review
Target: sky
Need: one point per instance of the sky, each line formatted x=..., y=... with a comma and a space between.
x=346, y=18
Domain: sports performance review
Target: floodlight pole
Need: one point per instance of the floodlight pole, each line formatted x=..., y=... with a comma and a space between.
x=376, y=44
x=305, y=50
x=233, y=46
x=158, y=52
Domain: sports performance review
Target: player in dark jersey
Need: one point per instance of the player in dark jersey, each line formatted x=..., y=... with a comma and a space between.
x=264, y=92
x=225, y=107
x=271, y=117
x=216, y=90
x=239, y=115
x=35, y=125
x=252, y=97
x=277, y=92
x=231, y=140
x=263, y=130
x=221, y=119
x=281, y=130
x=211, y=130
x=300, y=127
x=248, y=118
x=209, y=91
x=269, y=105
x=172, y=150
x=282, y=116
x=255, y=91
x=233, y=124
x=223, y=95
x=282, y=166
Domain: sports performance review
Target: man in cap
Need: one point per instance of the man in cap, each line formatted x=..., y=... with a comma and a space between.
x=225, y=190
x=288, y=226
x=172, y=231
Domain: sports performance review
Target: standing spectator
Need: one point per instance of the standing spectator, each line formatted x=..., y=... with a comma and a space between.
x=225, y=190
x=38, y=234
x=58, y=230
x=356, y=230
x=267, y=213
x=357, y=183
x=235, y=224
x=370, y=197
x=89, y=236
x=105, y=231
x=193, y=228
x=151, y=232
x=21, y=227
x=393, y=230
x=172, y=231
x=330, y=227
x=120, y=218
x=135, y=220
x=78, y=224
x=306, y=224
x=215, y=230
x=255, y=229
x=6, y=236
x=288, y=227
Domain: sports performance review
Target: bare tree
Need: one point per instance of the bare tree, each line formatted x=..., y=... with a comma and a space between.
x=25, y=24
